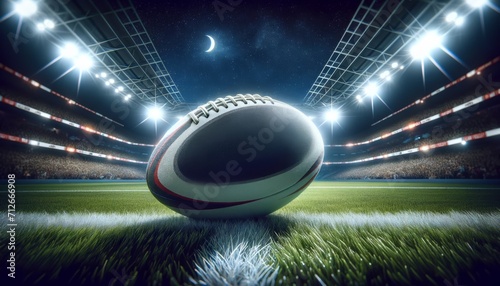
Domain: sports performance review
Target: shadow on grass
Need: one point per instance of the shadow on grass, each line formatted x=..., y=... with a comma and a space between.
x=159, y=251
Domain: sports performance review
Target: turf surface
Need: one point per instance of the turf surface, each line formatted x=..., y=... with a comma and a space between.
x=319, y=197
x=333, y=233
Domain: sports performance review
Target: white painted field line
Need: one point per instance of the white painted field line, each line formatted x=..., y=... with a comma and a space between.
x=399, y=219
x=402, y=219
x=78, y=220
x=402, y=187
x=238, y=254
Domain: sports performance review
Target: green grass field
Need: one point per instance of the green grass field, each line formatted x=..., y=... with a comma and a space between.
x=333, y=233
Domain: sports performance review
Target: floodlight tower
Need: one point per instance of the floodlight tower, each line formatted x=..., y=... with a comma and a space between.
x=477, y=3
x=332, y=115
x=25, y=8
x=155, y=113
x=83, y=62
x=430, y=41
x=372, y=89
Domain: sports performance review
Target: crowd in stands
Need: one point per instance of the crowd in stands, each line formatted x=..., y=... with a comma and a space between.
x=476, y=160
x=44, y=132
x=41, y=103
x=479, y=163
x=42, y=164
x=463, y=165
x=446, y=129
x=424, y=110
x=30, y=162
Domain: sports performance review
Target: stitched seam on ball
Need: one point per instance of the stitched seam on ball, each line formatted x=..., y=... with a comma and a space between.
x=205, y=109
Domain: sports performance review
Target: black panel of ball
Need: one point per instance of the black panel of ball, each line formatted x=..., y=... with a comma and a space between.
x=256, y=142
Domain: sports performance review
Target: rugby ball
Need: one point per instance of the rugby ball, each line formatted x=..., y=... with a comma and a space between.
x=236, y=157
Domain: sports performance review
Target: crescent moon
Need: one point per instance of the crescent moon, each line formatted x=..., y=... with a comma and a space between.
x=212, y=44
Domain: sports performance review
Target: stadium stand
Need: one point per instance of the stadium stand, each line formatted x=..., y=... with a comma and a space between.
x=53, y=133
x=443, y=130
x=29, y=162
x=465, y=109
x=111, y=157
x=478, y=160
x=426, y=111
x=26, y=94
x=46, y=106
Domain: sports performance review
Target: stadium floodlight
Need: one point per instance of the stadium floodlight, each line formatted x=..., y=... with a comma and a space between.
x=49, y=24
x=107, y=83
x=70, y=50
x=384, y=74
x=359, y=98
x=84, y=62
x=40, y=27
x=371, y=89
x=463, y=142
x=451, y=17
x=104, y=75
x=425, y=45
x=111, y=81
x=120, y=88
x=459, y=21
x=116, y=90
x=394, y=65
x=332, y=115
x=401, y=67
x=25, y=8
x=476, y=3
x=155, y=113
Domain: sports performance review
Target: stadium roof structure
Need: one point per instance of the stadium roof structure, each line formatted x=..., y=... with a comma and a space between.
x=113, y=33
x=375, y=46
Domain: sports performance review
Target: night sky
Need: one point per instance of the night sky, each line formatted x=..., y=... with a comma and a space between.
x=274, y=48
